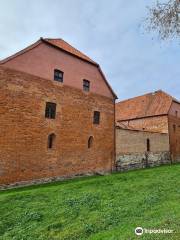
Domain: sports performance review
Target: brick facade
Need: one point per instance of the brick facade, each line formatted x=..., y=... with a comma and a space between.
x=24, y=129
x=154, y=116
x=169, y=123
x=174, y=130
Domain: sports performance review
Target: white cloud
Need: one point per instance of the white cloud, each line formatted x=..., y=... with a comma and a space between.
x=107, y=31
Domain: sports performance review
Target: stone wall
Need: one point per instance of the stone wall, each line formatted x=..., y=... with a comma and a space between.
x=142, y=160
x=131, y=149
x=24, y=130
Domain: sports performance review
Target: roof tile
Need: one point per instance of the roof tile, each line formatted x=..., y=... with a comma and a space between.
x=151, y=104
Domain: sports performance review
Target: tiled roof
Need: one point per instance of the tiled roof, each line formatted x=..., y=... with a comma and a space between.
x=60, y=43
x=151, y=104
x=125, y=126
x=121, y=125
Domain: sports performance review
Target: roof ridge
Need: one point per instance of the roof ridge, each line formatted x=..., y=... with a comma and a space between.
x=173, y=98
x=77, y=50
x=136, y=97
x=149, y=93
x=52, y=38
x=83, y=57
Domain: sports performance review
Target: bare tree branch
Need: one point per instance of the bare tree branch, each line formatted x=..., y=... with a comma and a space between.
x=164, y=18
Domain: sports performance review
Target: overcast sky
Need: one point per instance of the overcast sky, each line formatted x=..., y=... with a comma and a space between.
x=107, y=31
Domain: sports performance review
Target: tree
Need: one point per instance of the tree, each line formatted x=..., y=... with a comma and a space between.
x=164, y=18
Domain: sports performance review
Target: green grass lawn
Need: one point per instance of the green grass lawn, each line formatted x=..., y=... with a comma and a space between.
x=100, y=207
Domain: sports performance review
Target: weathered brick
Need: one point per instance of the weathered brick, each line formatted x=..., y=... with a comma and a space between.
x=24, y=130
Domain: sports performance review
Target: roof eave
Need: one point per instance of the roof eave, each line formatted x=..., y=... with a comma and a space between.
x=108, y=85
x=51, y=44
x=129, y=119
x=20, y=52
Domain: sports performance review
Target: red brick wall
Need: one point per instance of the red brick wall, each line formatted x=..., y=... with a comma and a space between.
x=24, y=129
x=175, y=110
x=43, y=59
x=174, y=132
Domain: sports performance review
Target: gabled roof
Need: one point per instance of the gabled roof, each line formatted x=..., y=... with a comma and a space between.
x=63, y=46
x=151, y=104
x=60, y=43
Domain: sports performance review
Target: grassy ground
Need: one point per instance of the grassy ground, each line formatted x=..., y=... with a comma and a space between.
x=103, y=208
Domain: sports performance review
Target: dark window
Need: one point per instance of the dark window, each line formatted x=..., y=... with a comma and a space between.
x=51, y=139
x=58, y=75
x=86, y=85
x=148, y=145
x=176, y=113
x=90, y=142
x=50, y=110
x=96, y=119
x=174, y=127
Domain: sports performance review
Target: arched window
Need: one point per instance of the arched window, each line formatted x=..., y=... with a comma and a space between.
x=90, y=142
x=51, y=139
x=148, y=145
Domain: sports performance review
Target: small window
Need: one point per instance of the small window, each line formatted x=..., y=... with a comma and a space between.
x=58, y=75
x=148, y=145
x=90, y=142
x=86, y=85
x=174, y=127
x=50, y=111
x=176, y=113
x=96, y=119
x=51, y=139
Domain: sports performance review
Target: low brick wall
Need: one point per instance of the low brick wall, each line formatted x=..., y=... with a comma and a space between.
x=142, y=160
x=131, y=149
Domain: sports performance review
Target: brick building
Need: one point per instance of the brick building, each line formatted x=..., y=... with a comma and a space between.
x=148, y=129
x=57, y=114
